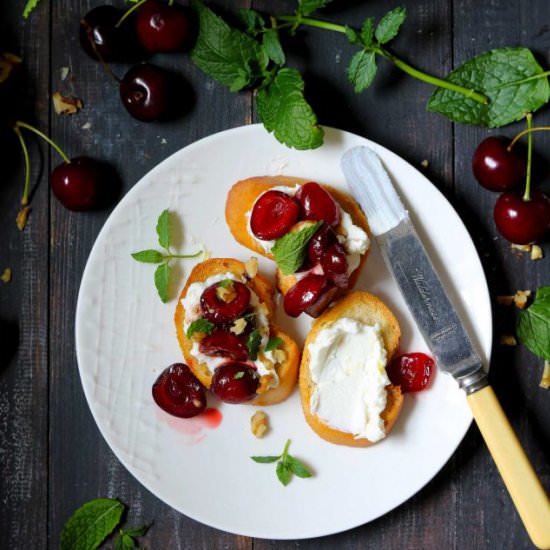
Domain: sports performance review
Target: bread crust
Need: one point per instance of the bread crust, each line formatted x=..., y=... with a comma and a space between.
x=287, y=370
x=369, y=309
x=241, y=199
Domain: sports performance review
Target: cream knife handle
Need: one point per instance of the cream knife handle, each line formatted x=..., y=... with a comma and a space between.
x=517, y=473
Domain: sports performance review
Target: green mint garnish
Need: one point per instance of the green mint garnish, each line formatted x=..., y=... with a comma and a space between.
x=287, y=465
x=290, y=250
x=238, y=375
x=126, y=538
x=226, y=283
x=253, y=344
x=200, y=325
x=388, y=27
x=273, y=343
x=30, y=6
x=307, y=7
x=533, y=327
x=150, y=256
x=88, y=527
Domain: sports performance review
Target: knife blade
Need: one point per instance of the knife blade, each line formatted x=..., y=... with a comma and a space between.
x=444, y=332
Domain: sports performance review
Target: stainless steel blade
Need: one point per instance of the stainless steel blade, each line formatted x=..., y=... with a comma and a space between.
x=408, y=261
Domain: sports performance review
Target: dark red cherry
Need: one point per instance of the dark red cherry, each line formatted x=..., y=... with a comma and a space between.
x=219, y=311
x=317, y=204
x=235, y=382
x=496, y=167
x=178, y=392
x=224, y=344
x=412, y=371
x=273, y=215
x=147, y=92
x=330, y=293
x=520, y=221
x=99, y=35
x=335, y=265
x=162, y=27
x=324, y=237
x=304, y=293
x=77, y=184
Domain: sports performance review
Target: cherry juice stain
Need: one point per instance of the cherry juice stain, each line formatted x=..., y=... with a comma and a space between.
x=193, y=429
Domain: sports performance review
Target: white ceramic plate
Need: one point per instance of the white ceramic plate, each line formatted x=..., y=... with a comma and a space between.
x=125, y=338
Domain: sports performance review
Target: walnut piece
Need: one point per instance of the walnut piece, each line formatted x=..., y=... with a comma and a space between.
x=508, y=340
x=259, y=423
x=536, y=252
x=238, y=326
x=279, y=355
x=521, y=297
x=251, y=267
x=8, y=62
x=6, y=275
x=226, y=293
x=545, y=380
x=521, y=247
x=66, y=105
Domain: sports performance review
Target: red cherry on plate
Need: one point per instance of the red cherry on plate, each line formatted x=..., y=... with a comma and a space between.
x=177, y=392
x=520, y=221
x=317, y=204
x=321, y=240
x=162, y=27
x=77, y=184
x=329, y=294
x=224, y=344
x=496, y=167
x=273, y=215
x=235, y=382
x=217, y=310
x=411, y=371
x=304, y=294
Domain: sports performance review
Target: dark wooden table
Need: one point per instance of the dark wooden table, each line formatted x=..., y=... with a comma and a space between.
x=52, y=456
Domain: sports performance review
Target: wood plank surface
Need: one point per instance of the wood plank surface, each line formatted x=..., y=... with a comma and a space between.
x=52, y=455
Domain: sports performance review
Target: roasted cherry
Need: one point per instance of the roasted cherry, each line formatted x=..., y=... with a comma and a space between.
x=496, y=167
x=178, y=392
x=335, y=265
x=273, y=215
x=235, y=382
x=77, y=184
x=324, y=237
x=521, y=221
x=225, y=344
x=217, y=310
x=304, y=293
x=162, y=27
x=411, y=371
x=317, y=204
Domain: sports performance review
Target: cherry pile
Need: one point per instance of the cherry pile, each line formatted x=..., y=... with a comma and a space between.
x=147, y=91
x=275, y=214
x=520, y=217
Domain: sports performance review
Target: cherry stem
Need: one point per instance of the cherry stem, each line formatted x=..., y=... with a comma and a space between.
x=129, y=11
x=104, y=64
x=527, y=194
x=25, y=198
x=527, y=131
x=174, y=256
x=62, y=154
x=285, y=450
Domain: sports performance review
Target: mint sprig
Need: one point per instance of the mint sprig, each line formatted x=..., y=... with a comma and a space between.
x=29, y=7
x=200, y=325
x=273, y=343
x=290, y=250
x=287, y=465
x=533, y=328
x=253, y=344
x=126, y=538
x=163, y=273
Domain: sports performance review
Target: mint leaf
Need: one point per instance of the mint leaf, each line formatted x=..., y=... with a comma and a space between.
x=30, y=6
x=200, y=325
x=137, y=531
x=91, y=524
x=362, y=70
x=253, y=344
x=164, y=224
x=533, y=327
x=272, y=47
x=238, y=375
x=367, y=31
x=148, y=256
x=227, y=55
x=273, y=343
x=265, y=459
x=389, y=25
x=162, y=281
x=290, y=250
x=352, y=35
x=226, y=283
x=285, y=112
x=253, y=22
x=297, y=467
x=503, y=75
x=284, y=473
x=307, y=7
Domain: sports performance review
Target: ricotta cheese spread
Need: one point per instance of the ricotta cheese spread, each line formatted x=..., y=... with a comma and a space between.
x=348, y=368
x=191, y=305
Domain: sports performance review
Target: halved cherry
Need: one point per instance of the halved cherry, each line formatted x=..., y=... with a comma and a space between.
x=235, y=382
x=317, y=204
x=178, y=392
x=321, y=240
x=219, y=311
x=225, y=344
x=273, y=215
x=335, y=265
x=303, y=294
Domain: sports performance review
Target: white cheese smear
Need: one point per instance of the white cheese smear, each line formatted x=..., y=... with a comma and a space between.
x=348, y=367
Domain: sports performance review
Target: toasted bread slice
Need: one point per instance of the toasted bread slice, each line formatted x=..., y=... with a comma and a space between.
x=287, y=370
x=368, y=309
x=241, y=199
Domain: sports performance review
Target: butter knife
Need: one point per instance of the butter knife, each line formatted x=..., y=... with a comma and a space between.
x=444, y=332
